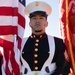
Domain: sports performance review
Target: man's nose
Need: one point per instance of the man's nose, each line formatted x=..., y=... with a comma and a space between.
x=37, y=20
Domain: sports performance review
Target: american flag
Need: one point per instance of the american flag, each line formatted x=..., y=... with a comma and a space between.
x=12, y=25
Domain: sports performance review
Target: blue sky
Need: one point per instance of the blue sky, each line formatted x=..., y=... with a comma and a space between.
x=53, y=20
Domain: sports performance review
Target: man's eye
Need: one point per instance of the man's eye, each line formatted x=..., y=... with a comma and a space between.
x=34, y=18
x=41, y=18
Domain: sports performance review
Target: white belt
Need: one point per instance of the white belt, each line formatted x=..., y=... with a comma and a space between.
x=51, y=67
x=37, y=73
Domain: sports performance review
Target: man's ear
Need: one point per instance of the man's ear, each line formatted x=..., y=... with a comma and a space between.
x=46, y=24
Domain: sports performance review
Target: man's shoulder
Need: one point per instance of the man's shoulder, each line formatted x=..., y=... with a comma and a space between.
x=24, y=38
x=57, y=40
x=55, y=37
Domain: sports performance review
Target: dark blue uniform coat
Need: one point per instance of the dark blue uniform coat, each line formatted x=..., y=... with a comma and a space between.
x=36, y=51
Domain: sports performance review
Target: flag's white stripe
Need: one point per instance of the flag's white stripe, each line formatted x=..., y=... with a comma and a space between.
x=3, y=66
x=9, y=63
x=21, y=31
x=21, y=9
x=9, y=3
x=1, y=50
x=16, y=51
x=7, y=38
x=8, y=20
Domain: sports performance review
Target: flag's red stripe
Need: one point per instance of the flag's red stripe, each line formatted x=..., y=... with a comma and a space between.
x=6, y=44
x=19, y=42
x=21, y=20
x=14, y=64
x=7, y=71
x=9, y=11
x=6, y=30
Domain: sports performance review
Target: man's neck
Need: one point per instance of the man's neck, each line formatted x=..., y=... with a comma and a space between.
x=38, y=33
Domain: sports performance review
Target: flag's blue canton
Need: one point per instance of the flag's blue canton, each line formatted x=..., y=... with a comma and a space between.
x=23, y=2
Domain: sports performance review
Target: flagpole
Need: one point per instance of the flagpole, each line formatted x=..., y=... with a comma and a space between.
x=68, y=37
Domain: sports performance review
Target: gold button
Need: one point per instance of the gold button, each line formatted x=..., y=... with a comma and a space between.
x=40, y=36
x=34, y=36
x=35, y=55
x=35, y=61
x=70, y=74
x=37, y=40
x=36, y=68
x=36, y=49
x=22, y=52
x=36, y=44
x=31, y=36
x=36, y=74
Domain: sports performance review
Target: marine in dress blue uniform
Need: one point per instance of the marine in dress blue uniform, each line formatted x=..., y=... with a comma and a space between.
x=42, y=54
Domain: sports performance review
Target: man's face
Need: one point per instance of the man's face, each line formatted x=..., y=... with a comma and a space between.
x=38, y=23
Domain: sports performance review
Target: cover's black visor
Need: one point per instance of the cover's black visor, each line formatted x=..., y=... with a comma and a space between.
x=42, y=13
